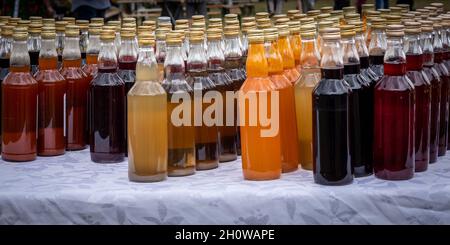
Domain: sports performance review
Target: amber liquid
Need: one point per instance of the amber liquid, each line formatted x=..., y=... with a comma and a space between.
x=76, y=105
x=227, y=134
x=261, y=156
x=52, y=89
x=303, y=106
x=91, y=68
x=181, y=142
x=206, y=137
x=107, y=125
x=19, y=107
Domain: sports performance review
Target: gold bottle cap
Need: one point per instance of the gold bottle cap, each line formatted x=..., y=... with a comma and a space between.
x=214, y=34
x=291, y=12
x=98, y=20
x=282, y=21
x=48, y=35
x=14, y=20
x=393, y=19
x=373, y=13
x=349, y=9
x=358, y=26
x=403, y=6
x=196, y=37
x=20, y=36
x=313, y=13
x=215, y=20
x=248, y=26
x=198, y=25
x=82, y=22
x=60, y=26
x=34, y=28
x=181, y=22
x=261, y=15
x=368, y=6
x=283, y=30
x=413, y=27
x=256, y=37
x=37, y=18
x=24, y=22
x=48, y=21
x=279, y=16
x=322, y=25
x=173, y=39
x=306, y=21
x=95, y=29
x=107, y=35
x=337, y=13
x=72, y=31
x=298, y=16
x=114, y=23
x=182, y=27
x=323, y=16
x=69, y=20
x=144, y=29
x=294, y=27
x=326, y=9
x=248, y=19
x=146, y=40
x=127, y=33
x=48, y=29
x=348, y=31
x=161, y=33
x=331, y=36
x=270, y=34
x=378, y=24
x=396, y=10
x=23, y=29
x=149, y=23
x=231, y=32
x=198, y=18
x=7, y=30
x=4, y=18
x=129, y=20
x=330, y=31
x=308, y=31
x=231, y=16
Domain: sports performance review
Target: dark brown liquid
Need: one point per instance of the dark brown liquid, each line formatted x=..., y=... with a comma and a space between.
x=34, y=61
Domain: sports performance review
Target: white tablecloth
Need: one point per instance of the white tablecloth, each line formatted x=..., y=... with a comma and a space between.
x=70, y=189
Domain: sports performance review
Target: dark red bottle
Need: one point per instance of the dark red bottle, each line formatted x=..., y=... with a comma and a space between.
x=127, y=65
x=5, y=52
x=422, y=87
x=107, y=107
x=77, y=92
x=394, y=114
x=445, y=87
x=52, y=89
x=436, y=83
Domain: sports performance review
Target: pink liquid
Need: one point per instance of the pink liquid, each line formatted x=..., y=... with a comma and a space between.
x=422, y=87
x=394, y=124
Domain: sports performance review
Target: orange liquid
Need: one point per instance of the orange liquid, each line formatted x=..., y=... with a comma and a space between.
x=296, y=45
x=52, y=88
x=290, y=71
x=76, y=105
x=91, y=65
x=19, y=103
x=261, y=156
x=288, y=122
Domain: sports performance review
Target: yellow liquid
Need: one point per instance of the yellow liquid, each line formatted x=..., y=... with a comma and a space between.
x=147, y=132
x=303, y=107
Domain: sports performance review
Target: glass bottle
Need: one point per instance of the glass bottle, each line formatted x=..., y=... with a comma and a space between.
x=147, y=119
x=19, y=119
x=310, y=76
x=426, y=43
x=233, y=66
x=444, y=74
x=34, y=46
x=377, y=46
x=77, y=91
x=92, y=51
x=181, y=153
x=394, y=114
x=422, y=87
x=107, y=106
x=261, y=155
x=287, y=120
x=360, y=87
x=5, y=52
x=84, y=38
x=52, y=90
x=331, y=111
x=285, y=49
x=295, y=42
x=224, y=84
x=127, y=62
x=60, y=37
x=206, y=137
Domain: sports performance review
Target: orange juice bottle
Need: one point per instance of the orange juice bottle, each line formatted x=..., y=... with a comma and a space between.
x=296, y=42
x=310, y=76
x=286, y=52
x=261, y=155
x=288, y=125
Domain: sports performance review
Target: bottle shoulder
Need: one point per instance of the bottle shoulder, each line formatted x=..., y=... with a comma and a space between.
x=257, y=84
x=73, y=73
x=107, y=79
x=395, y=83
x=332, y=87
x=418, y=78
x=48, y=76
x=19, y=78
x=146, y=88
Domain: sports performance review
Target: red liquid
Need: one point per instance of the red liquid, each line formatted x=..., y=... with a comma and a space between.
x=394, y=125
x=331, y=153
x=127, y=71
x=227, y=134
x=443, y=123
x=360, y=142
x=107, y=124
x=52, y=88
x=19, y=107
x=76, y=105
x=422, y=87
x=436, y=83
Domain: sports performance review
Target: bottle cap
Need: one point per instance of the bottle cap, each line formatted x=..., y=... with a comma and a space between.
x=34, y=28
x=413, y=27
x=349, y=9
x=358, y=26
x=181, y=22
x=255, y=36
x=23, y=29
x=48, y=29
x=98, y=20
x=198, y=18
x=378, y=24
x=306, y=21
x=395, y=31
x=367, y=6
x=48, y=35
x=7, y=31
x=149, y=23
x=69, y=20
x=48, y=21
x=348, y=31
x=146, y=40
x=323, y=16
x=292, y=12
x=396, y=10
x=127, y=33
x=72, y=31
x=261, y=15
x=270, y=34
x=20, y=36
x=283, y=30
x=60, y=26
x=298, y=16
x=173, y=39
x=326, y=9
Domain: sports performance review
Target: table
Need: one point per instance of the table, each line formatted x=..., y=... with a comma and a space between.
x=70, y=189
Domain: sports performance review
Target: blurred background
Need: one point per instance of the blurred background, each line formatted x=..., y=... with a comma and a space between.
x=176, y=9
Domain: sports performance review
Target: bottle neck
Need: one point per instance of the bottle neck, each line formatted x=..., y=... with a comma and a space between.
x=331, y=55
x=232, y=48
x=350, y=56
x=146, y=68
x=377, y=46
x=310, y=55
x=426, y=43
x=34, y=42
x=286, y=52
x=296, y=42
x=127, y=55
x=395, y=58
x=107, y=59
x=196, y=61
x=5, y=47
x=71, y=49
x=60, y=39
x=215, y=56
x=274, y=59
x=84, y=40
x=437, y=47
x=160, y=51
x=20, y=59
x=174, y=64
x=256, y=61
x=361, y=46
x=48, y=57
x=93, y=49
